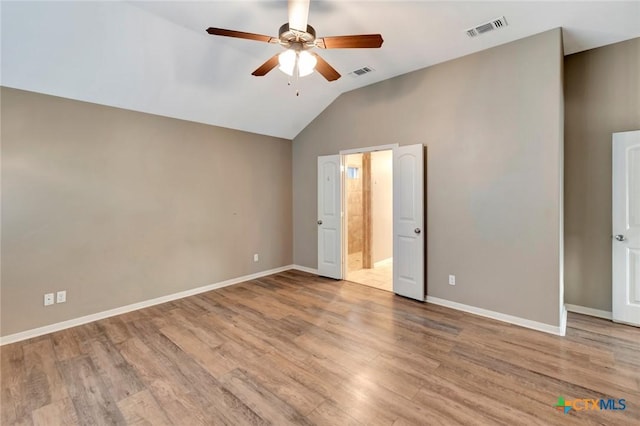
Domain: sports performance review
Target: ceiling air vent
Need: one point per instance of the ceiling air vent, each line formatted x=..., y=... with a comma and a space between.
x=361, y=71
x=494, y=24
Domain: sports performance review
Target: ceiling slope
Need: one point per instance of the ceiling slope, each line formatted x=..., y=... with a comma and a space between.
x=156, y=57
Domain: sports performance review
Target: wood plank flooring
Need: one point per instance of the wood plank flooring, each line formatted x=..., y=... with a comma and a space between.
x=293, y=348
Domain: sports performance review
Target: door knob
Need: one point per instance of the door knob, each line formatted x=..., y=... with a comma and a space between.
x=619, y=237
x=319, y=222
x=417, y=230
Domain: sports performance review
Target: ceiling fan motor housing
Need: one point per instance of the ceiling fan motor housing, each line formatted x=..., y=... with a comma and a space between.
x=289, y=36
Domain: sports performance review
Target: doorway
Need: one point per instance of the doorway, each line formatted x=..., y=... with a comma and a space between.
x=408, y=204
x=368, y=221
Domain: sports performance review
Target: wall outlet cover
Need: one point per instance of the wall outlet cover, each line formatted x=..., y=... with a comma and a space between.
x=61, y=296
x=48, y=299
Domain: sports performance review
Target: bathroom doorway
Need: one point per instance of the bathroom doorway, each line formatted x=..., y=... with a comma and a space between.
x=368, y=222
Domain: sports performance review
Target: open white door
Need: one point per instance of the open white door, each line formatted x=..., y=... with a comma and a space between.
x=329, y=217
x=408, y=221
x=626, y=227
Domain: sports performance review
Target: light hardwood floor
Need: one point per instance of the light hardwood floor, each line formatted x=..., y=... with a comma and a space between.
x=297, y=349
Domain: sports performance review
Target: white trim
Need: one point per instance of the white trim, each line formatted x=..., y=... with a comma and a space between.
x=588, y=311
x=305, y=269
x=522, y=322
x=563, y=321
x=561, y=305
x=35, y=332
x=368, y=149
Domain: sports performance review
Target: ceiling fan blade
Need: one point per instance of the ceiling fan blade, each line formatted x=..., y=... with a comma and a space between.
x=298, y=14
x=326, y=70
x=240, y=34
x=368, y=41
x=266, y=67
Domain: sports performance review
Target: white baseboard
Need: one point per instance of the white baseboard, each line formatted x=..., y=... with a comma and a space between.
x=588, y=311
x=35, y=332
x=304, y=269
x=522, y=322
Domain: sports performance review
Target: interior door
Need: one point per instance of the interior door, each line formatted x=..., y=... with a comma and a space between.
x=329, y=217
x=626, y=227
x=408, y=221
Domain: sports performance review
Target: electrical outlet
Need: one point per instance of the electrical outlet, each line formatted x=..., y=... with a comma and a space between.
x=452, y=280
x=48, y=299
x=61, y=296
x=256, y=257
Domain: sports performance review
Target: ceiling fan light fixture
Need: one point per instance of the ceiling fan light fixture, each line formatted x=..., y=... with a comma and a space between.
x=287, y=61
x=306, y=63
x=290, y=59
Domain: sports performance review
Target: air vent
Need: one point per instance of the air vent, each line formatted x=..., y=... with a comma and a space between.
x=361, y=71
x=494, y=24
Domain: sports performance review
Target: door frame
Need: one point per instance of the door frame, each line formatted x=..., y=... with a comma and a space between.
x=343, y=201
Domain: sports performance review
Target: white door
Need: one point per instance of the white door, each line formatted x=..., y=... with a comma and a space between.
x=626, y=227
x=408, y=221
x=329, y=217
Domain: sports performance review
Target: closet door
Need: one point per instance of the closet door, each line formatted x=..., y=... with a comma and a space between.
x=626, y=227
x=408, y=221
x=329, y=217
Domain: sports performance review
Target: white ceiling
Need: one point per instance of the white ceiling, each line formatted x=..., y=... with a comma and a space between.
x=156, y=57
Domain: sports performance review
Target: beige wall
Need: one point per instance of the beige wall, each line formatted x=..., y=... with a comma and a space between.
x=492, y=122
x=602, y=96
x=118, y=207
x=382, y=204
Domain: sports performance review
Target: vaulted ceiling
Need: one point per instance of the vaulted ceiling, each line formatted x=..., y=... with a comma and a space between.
x=156, y=57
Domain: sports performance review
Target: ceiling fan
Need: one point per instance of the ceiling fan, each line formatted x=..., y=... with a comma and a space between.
x=298, y=39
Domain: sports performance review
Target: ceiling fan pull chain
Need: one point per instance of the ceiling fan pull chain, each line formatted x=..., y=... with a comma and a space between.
x=296, y=72
x=297, y=81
